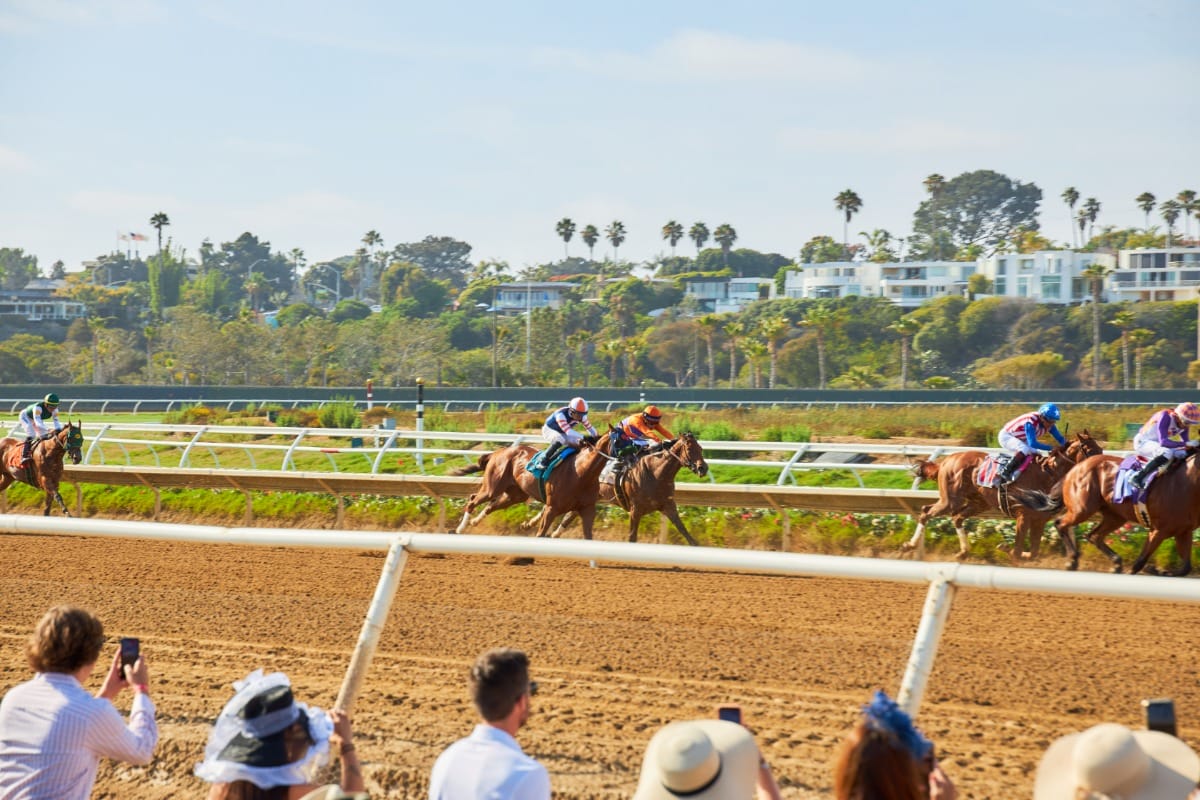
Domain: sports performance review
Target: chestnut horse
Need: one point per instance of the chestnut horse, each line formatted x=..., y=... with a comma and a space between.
x=574, y=485
x=961, y=498
x=46, y=471
x=1173, y=505
x=649, y=485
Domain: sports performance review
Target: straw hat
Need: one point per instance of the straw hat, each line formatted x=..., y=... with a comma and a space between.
x=1109, y=761
x=705, y=759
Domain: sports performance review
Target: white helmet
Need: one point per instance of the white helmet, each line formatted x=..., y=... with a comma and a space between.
x=578, y=407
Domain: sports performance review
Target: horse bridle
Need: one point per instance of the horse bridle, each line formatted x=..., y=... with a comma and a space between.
x=689, y=464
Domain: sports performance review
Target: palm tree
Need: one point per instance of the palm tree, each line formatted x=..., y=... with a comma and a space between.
x=878, y=242
x=1070, y=196
x=1081, y=219
x=590, y=236
x=612, y=349
x=371, y=239
x=1095, y=274
x=725, y=236
x=698, y=233
x=1138, y=337
x=1145, y=202
x=734, y=329
x=754, y=350
x=772, y=329
x=907, y=327
x=849, y=204
x=1091, y=207
x=1187, y=204
x=708, y=325
x=1124, y=320
x=566, y=229
x=821, y=319
x=160, y=221
x=1170, y=213
x=616, y=234
x=672, y=232
x=934, y=185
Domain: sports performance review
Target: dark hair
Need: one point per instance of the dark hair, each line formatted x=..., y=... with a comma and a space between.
x=872, y=766
x=499, y=678
x=64, y=639
x=245, y=790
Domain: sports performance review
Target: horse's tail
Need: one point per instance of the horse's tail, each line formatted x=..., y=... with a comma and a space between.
x=478, y=466
x=926, y=470
x=1050, y=502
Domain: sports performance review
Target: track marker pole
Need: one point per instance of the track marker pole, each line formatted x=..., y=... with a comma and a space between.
x=925, y=646
x=377, y=614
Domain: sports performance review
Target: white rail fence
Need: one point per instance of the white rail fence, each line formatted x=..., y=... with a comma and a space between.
x=943, y=578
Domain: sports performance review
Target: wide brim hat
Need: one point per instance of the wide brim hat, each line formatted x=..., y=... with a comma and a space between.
x=1110, y=760
x=699, y=759
x=248, y=740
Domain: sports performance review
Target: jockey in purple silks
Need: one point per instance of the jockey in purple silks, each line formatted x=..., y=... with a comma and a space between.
x=1164, y=437
x=1019, y=437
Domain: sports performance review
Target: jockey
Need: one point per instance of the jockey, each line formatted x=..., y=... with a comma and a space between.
x=559, y=428
x=32, y=418
x=645, y=429
x=1156, y=440
x=1019, y=436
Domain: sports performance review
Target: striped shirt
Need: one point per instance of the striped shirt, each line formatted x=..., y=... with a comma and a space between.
x=53, y=733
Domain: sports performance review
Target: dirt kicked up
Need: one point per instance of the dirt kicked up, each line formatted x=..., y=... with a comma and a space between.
x=617, y=651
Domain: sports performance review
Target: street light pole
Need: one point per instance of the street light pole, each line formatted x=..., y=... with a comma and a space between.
x=252, y=266
x=495, y=383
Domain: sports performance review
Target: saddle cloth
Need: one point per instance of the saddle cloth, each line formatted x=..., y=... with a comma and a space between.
x=540, y=469
x=13, y=459
x=987, y=474
x=1123, y=490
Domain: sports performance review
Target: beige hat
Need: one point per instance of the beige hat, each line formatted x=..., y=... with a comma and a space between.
x=706, y=759
x=1111, y=760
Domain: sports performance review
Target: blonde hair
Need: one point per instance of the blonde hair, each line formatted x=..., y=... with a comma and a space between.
x=64, y=639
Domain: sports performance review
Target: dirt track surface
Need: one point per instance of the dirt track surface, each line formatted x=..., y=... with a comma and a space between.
x=617, y=651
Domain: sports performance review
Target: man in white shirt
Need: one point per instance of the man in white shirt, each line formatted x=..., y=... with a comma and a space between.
x=52, y=732
x=489, y=763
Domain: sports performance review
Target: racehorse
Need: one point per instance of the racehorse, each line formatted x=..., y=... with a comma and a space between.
x=961, y=498
x=573, y=485
x=649, y=485
x=46, y=471
x=1173, y=505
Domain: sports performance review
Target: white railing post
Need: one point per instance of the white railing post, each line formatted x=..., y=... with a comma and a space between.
x=929, y=634
x=377, y=616
x=87, y=458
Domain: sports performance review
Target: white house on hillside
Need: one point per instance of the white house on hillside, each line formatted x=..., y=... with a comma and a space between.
x=1156, y=274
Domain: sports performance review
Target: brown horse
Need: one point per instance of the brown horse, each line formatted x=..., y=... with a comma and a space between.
x=961, y=498
x=573, y=486
x=46, y=471
x=649, y=485
x=1173, y=505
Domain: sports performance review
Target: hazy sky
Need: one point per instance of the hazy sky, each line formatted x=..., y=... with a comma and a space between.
x=308, y=123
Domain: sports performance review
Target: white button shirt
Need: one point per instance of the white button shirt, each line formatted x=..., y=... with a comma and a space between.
x=53, y=733
x=488, y=765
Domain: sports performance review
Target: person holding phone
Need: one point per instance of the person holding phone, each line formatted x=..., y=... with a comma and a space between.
x=52, y=732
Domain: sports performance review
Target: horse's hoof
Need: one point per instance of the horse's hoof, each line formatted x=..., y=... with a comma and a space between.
x=1072, y=566
x=1117, y=569
x=906, y=547
x=962, y=555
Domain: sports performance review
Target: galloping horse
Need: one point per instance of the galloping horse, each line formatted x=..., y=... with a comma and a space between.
x=46, y=471
x=961, y=498
x=1173, y=505
x=574, y=485
x=649, y=485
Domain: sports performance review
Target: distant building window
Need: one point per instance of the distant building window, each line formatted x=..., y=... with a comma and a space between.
x=1126, y=277
x=1051, y=287
x=1000, y=285
x=1002, y=266
x=1025, y=265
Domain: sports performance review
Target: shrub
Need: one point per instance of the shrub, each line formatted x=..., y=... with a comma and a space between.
x=976, y=436
x=297, y=418
x=376, y=415
x=787, y=433
x=339, y=414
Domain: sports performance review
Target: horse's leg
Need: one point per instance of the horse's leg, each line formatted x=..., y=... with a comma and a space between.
x=566, y=520
x=1066, y=534
x=587, y=516
x=927, y=513
x=49, y=501
x=1109, y=522
x=672, y=513
x=1153, y=541
x=1183, y=546
x=964, y=546
x=58, y=496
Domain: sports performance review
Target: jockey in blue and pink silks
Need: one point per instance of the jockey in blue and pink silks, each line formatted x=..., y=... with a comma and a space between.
x=559, y=428
x=1164, y=437
x=1019, y=437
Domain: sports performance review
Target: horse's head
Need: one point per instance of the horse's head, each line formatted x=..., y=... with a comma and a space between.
x=71, y=438
x=690, y=453
x=1083, y=447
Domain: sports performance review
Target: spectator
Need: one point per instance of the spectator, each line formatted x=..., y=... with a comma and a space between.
x=52, y=732
x=705, y=759
x=886, y=758
x=266, y=746
x=1109, y=760
x=489, y=762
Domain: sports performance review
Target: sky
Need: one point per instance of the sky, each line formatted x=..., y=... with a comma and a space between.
x=310, y=123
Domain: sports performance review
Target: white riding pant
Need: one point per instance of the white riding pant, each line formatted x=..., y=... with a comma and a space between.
x=1014, y=444
x=570, y=438
x=1153, y=449
x=31, y=428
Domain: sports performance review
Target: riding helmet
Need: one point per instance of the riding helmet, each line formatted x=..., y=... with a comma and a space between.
x=578, y=407
x=1050, y=412
x=652, y=414
x=1188, y=412
x=51, y=399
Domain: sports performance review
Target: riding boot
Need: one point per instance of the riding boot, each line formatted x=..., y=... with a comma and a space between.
x=27, y=452
x=550, y=451
x=1139, y=481
x=1010, y=469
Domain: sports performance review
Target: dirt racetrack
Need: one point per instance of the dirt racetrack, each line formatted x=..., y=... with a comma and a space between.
x=617, y=651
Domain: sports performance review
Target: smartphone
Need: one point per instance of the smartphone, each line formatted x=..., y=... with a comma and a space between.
x=730, y=713
x=1160, y=715
x=130, y=648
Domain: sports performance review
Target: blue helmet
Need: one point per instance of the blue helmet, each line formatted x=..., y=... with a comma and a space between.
x=1050, y=412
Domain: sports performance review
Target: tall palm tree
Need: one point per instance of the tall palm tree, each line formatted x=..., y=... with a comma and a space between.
x=1081, y=220
x=708, y=325
x=934, y=185
x=1124, y=320
x=772, y=330
x=725, y=236
x=1070, y=196
x=565, y=229
x=672, y=232
x=1187, y=204
x=1139, y=337
x=734, y=331
x=371, y=239
x=1170, y=213
x=821, y=319
x=849, y=204
x=615, y=233
x=160, y=221
x=698, y=233
x=590, y=236
x=1092, y=207
x=612, y=349
x=1145, y=202
x=907, y=327
x=1095, y=274
x=754, y=350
